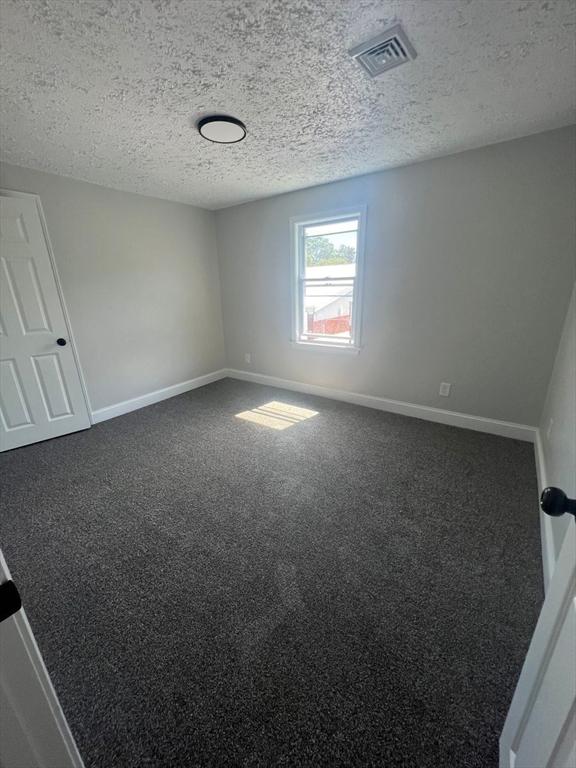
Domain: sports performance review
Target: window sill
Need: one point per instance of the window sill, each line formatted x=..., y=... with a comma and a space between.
x=313, y=346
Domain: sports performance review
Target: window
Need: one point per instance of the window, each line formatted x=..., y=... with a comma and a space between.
x=327, y=264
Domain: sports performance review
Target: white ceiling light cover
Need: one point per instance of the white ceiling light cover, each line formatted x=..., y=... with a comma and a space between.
x=222, y=129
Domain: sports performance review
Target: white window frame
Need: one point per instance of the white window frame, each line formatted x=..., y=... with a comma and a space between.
x=297, y=225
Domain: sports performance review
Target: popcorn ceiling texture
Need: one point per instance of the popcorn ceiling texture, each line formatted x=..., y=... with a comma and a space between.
x=109, y=90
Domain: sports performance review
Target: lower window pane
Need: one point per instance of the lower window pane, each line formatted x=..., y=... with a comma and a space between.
x=327, y=312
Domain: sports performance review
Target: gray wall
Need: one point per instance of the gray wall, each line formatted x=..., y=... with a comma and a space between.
x=558, y=423
x=140, y=279
x=469, y=266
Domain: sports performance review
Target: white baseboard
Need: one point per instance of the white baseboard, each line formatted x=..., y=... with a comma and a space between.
x=110, y=411
x=452, y=418
x=546, y=535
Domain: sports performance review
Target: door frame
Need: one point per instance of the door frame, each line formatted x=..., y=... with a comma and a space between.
x=37, y=200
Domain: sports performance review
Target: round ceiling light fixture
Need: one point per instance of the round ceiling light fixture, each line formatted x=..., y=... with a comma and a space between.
x=222, y=129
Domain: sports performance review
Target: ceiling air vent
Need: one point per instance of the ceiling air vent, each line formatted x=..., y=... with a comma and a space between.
x=388, y=50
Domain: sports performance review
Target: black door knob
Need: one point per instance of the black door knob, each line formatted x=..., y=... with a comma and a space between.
x=555, y=502
x=61, y=342
x=10, y=601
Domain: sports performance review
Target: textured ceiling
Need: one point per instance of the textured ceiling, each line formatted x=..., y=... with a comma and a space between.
x=109, y=90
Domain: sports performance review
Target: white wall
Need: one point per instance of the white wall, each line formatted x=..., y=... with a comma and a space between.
x=558, y=423
x=140, y=279
x=469, y=266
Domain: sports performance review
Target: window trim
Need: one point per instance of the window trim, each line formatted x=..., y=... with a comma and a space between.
x=297, y=224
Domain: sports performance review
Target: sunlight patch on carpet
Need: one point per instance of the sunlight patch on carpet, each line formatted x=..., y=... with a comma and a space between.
x=277, y=415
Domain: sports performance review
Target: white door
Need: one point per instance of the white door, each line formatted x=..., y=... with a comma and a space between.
x=540, y=730
x=41, y=393
x=33, y=730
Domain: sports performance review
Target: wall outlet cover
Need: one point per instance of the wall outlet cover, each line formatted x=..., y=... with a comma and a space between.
x=248, y=357
x=445, y=389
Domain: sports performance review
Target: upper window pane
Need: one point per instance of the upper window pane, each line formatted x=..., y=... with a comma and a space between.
x=331, y=244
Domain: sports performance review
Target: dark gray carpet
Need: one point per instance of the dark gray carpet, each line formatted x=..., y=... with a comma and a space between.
x=357, y=590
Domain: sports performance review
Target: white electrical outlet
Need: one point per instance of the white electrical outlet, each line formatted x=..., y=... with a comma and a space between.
x=248, y=357
x=445, y=388
x=549, y=430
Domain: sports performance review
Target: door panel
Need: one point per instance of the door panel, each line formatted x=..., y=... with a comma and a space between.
x=52, y=385
x=33, y=729
x=41, y=392
x=14, y=409
x=540, y=726
x=22, y=279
